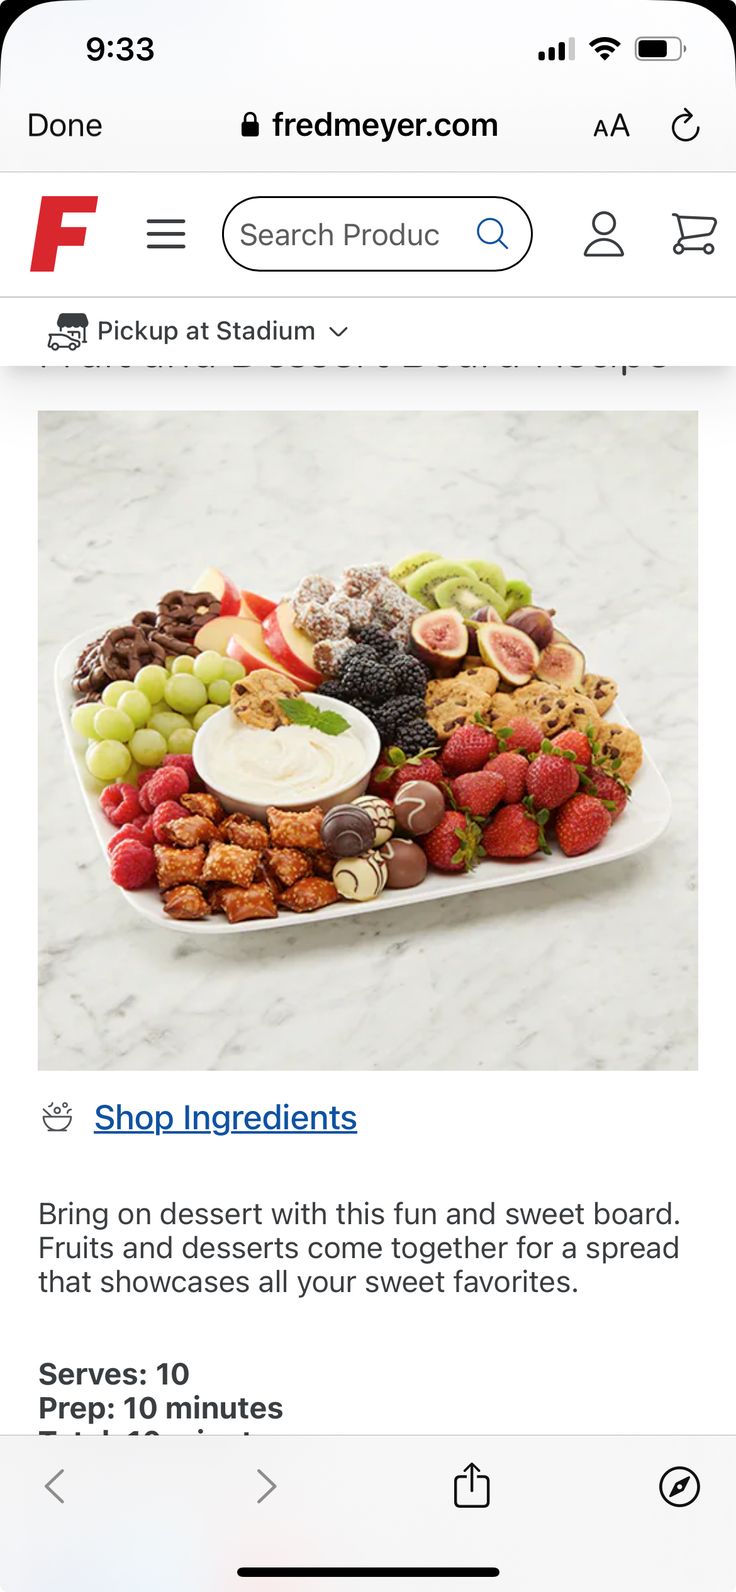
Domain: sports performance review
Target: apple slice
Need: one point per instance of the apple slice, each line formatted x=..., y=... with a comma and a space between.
x=289, y=644
x=254, y=654
x=223, y=587
x=259, y=607
x=216, y=634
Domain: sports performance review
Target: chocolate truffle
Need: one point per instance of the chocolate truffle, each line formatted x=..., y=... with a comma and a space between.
x=382, y=814
x=347, y=831
x=418, y=806
x=360, y=878
x=406, y=864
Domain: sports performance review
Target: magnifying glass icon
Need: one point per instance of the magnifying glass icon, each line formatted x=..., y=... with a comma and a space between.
x=491, y=221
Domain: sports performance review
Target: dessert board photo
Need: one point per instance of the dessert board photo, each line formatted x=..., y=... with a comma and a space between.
x=415, y=689
x=380, y=734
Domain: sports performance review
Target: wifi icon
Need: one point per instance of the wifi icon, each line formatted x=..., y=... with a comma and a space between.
x=605, y=47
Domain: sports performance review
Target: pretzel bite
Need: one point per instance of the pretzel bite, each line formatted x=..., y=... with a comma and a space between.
x=239, y=905
x=308, y=895
x=230, y=864
x=178, y=866
x=301, y=830
x=241, y=830
x=186, y=901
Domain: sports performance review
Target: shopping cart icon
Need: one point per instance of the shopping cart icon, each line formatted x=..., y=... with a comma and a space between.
x=694, y=230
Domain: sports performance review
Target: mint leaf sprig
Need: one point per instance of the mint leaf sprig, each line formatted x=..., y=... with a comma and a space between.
x=300, y=712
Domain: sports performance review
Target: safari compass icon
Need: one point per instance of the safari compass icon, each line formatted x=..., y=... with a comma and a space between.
x=679, y=1486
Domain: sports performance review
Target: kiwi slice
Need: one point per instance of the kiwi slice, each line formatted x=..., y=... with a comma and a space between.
x=492, y=574
x=467, y=593
x=425, y=580
x=518, y=595
x=401, y=571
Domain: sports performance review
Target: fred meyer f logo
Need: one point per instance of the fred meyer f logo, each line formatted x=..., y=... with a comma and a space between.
x=52, y=235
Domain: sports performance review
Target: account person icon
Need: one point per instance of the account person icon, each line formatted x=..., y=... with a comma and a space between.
x=604, y=225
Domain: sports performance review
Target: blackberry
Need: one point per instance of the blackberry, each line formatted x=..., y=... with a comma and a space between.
x=384, y=719
x=364, y=675
x=410, y=705
x=379, y=642
x=413, y=735
x=333, y=688
x=409, y=676
x=363, y=706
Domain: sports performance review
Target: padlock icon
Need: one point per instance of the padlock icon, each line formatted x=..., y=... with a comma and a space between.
x=250, y=127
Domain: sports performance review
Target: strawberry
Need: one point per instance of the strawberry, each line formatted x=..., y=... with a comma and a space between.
x=577, y=742
x=582, y=823
x=551, y=778
x=513, y=770
x=521, y=735
x=479, y=792
x=468, y=748
x=453, y=846
x=516, y=831
x=608, y=789
x=394, y=768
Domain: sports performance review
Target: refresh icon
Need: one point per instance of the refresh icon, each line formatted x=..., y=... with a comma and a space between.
x=682, y=127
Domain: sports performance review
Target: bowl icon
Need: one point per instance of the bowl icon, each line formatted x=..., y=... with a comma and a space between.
x=57, y=1118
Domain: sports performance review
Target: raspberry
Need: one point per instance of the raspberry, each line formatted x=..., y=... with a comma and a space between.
x=163, y=814
x=144, y=774
x=132, y=865
x=129, y=832
x=144, y=829
x=186, y=761
x=120, y=803
x=166, y=785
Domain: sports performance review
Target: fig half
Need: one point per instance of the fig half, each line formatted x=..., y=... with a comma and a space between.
x=535, y=622
x=487, y=615
x=510, y=651
x=561, y=664
x=440, y=639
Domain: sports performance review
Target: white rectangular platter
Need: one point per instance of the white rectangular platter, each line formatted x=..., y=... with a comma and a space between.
x=646, y=819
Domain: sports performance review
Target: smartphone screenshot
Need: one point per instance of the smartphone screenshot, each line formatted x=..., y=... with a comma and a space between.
x=368, y=402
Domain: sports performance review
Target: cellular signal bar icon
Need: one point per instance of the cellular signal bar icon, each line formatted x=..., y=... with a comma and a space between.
x=558, y=52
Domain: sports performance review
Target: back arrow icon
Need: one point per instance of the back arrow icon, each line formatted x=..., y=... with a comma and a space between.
x=682, y=122
x=49, y=1487
x=271, y=1486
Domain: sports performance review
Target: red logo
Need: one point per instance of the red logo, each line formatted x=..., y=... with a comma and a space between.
x=52, y=235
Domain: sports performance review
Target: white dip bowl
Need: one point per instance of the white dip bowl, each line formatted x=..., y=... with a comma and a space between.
x=206, y=743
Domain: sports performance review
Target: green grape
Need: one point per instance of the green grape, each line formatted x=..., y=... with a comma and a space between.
x=151, y=679
x=112, y=725
x=148, y=748
x=185, y=693
x=208, y=667
x=232, y=670
x=183, y=664
x=219, y=692
x=113, y=692
x=182, y=740
x=165, y=722
x=107, y=760
x=137, y=706
x=204, y=714
x=83, y=717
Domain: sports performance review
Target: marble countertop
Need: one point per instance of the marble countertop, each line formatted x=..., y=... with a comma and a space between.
x=598, y=510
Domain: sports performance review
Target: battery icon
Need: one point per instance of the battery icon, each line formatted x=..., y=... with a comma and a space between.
x=659, y=49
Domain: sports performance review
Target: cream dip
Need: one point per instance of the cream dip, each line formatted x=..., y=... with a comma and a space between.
x=276, y=767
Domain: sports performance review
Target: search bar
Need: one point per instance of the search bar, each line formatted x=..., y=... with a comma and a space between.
x=370, y=233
